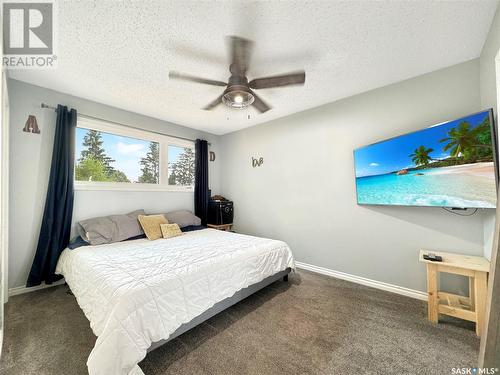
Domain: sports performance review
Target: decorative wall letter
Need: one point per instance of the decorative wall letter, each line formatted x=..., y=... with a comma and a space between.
x=31, y=125
x=212, y=156
x=257, y=162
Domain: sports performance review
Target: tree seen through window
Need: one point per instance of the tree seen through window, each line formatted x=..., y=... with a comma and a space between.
x=105, y=157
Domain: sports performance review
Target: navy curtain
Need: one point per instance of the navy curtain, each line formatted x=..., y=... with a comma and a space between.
x=56, y=222
x=201, y=180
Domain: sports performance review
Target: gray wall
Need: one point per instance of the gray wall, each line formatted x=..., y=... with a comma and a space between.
x=488, y=88
x=30, y=157
x=304, y=193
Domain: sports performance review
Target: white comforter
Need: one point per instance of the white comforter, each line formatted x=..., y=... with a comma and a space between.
x=138, y=292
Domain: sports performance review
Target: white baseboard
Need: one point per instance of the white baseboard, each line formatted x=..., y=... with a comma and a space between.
x=309, y=267
x=364, y=281
x=23, y=289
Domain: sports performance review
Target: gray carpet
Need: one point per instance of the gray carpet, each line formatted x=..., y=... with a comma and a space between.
x=311, y=325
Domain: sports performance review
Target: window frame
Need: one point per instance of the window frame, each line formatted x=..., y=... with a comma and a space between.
x=123, y=131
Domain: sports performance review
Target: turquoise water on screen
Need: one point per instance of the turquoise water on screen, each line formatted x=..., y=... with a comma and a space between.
x=428, y=189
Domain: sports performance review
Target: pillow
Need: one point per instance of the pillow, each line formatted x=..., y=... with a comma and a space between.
x=151, y=225
x=183, y=218
x=170, y=230
x=77, y=242
x=112, y=228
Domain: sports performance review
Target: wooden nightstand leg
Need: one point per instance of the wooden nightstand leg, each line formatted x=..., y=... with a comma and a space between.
x=432, y=291
x=480, y=291
x=471, y=292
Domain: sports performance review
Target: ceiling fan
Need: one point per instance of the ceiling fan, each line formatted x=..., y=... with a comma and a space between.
x=239, y=91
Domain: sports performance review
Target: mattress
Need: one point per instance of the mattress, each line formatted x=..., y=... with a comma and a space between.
x=138, y=292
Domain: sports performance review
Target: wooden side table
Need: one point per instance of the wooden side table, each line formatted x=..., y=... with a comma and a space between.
x=225, y=227
x=470, y=308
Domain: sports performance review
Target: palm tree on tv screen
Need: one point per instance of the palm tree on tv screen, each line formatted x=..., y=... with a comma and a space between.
x=461, y=140
x=421, y=155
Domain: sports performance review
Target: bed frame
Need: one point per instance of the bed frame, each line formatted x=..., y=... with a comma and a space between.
x=222, y=305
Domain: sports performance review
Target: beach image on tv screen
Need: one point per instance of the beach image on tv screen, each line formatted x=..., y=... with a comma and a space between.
x=447, y=165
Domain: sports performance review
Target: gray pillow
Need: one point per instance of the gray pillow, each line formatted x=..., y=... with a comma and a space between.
x=112, y=228
x=183, y=218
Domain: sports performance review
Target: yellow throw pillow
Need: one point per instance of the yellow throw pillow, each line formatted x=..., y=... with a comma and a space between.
x=151, y=225
x=170, y=230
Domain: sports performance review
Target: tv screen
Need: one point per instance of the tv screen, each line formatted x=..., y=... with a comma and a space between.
x=452, y=164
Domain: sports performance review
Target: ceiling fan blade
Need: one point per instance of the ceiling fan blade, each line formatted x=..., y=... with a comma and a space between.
x=187, y=77
x=213, y=104
x=297, y=78
x=240, y=50
x=260, y=104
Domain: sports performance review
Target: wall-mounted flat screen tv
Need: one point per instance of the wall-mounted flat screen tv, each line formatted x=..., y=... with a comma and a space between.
x=453, y=164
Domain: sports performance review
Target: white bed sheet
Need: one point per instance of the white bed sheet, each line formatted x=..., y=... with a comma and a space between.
x=137, y=292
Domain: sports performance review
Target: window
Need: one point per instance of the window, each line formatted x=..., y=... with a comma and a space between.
x=180, y=166
x=113, y=157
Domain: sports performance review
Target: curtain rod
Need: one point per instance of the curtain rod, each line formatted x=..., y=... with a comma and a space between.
x=43, y=105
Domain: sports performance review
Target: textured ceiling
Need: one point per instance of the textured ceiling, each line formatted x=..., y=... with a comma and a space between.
x=119, y=52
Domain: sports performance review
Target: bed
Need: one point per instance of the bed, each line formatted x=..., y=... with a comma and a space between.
x=139, y=294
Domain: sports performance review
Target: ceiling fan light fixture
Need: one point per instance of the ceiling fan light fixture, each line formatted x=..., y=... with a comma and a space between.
x=238, y=99
x=239, y=92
